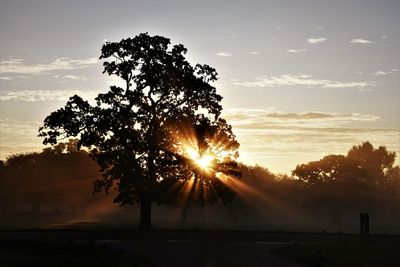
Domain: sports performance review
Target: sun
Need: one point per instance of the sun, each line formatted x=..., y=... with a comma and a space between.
x=204, y=161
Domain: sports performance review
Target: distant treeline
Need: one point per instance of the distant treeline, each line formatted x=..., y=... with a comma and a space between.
x=332, y=189
x=59, y=178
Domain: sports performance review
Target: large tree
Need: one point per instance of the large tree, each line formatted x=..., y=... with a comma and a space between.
x=162, y=128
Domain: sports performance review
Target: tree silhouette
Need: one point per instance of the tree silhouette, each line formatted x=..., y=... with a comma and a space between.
x=48, y=178
x=330, y=169
x=138, y=134
x=377, y=162
x=363, y=165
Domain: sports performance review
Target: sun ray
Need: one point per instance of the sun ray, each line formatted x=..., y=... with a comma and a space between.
x=255, y=197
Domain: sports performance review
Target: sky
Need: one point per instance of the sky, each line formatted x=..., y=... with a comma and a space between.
x=299, y=79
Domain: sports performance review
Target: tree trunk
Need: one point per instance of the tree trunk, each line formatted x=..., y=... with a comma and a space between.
x=145, y=214
x=4, y=208
x=35, y=210
x=184, y=214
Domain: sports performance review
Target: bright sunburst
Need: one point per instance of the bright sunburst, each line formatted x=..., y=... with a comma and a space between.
x=203, y=161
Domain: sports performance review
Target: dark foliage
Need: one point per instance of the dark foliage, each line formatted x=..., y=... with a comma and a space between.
x=135, y=133
x=62, y=176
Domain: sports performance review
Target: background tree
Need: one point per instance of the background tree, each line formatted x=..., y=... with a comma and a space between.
x=133, y=132
x=48, y=178
x=369, y=172
x=4, y=198
x=377, y=163
x=363, y=165
x=330, y=169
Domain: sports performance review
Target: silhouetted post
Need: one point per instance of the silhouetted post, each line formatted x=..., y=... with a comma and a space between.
x=364, y=227
x=362, y=233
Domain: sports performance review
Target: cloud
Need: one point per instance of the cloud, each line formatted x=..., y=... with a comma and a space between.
x=272, y=138
x=5, y=78
x=360, y=41
x=302, y=80
x=263, y=118
x=383, y=73
x=384, y=37
x=223, y=54
x=279, y=140
x=316, y=40
x=10, y=127
x=296, y=51
x=254, y=53
x=380, y=73
x=16, y=65
x=19, y=137
x=44, y=95
x=75, y=77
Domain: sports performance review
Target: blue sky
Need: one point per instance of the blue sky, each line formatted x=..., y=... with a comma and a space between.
x=300, y=79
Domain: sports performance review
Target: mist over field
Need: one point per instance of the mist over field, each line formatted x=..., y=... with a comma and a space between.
x=54, y=189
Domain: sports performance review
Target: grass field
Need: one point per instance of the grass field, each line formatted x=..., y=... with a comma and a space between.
x=65, y=253
x=195, y=248
x=376, y=253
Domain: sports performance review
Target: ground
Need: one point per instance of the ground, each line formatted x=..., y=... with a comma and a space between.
x=195, y=248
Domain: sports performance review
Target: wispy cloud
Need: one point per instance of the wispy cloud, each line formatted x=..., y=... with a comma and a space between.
x=275, y=139
x=316, y=40
x=380, y=73
x=296, y=51
x=223, y=54
x=21, y=67
x=44, y=95
x=19, y=137
x=75, y=77
x=249, y=118
x=383, y=73
x=5, y=78
x=302, y=80
x=254, y=53
x=360, y=41
x=280, y=139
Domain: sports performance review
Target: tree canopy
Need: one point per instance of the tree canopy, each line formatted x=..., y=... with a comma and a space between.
x=143, y=135
x=363, y=164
